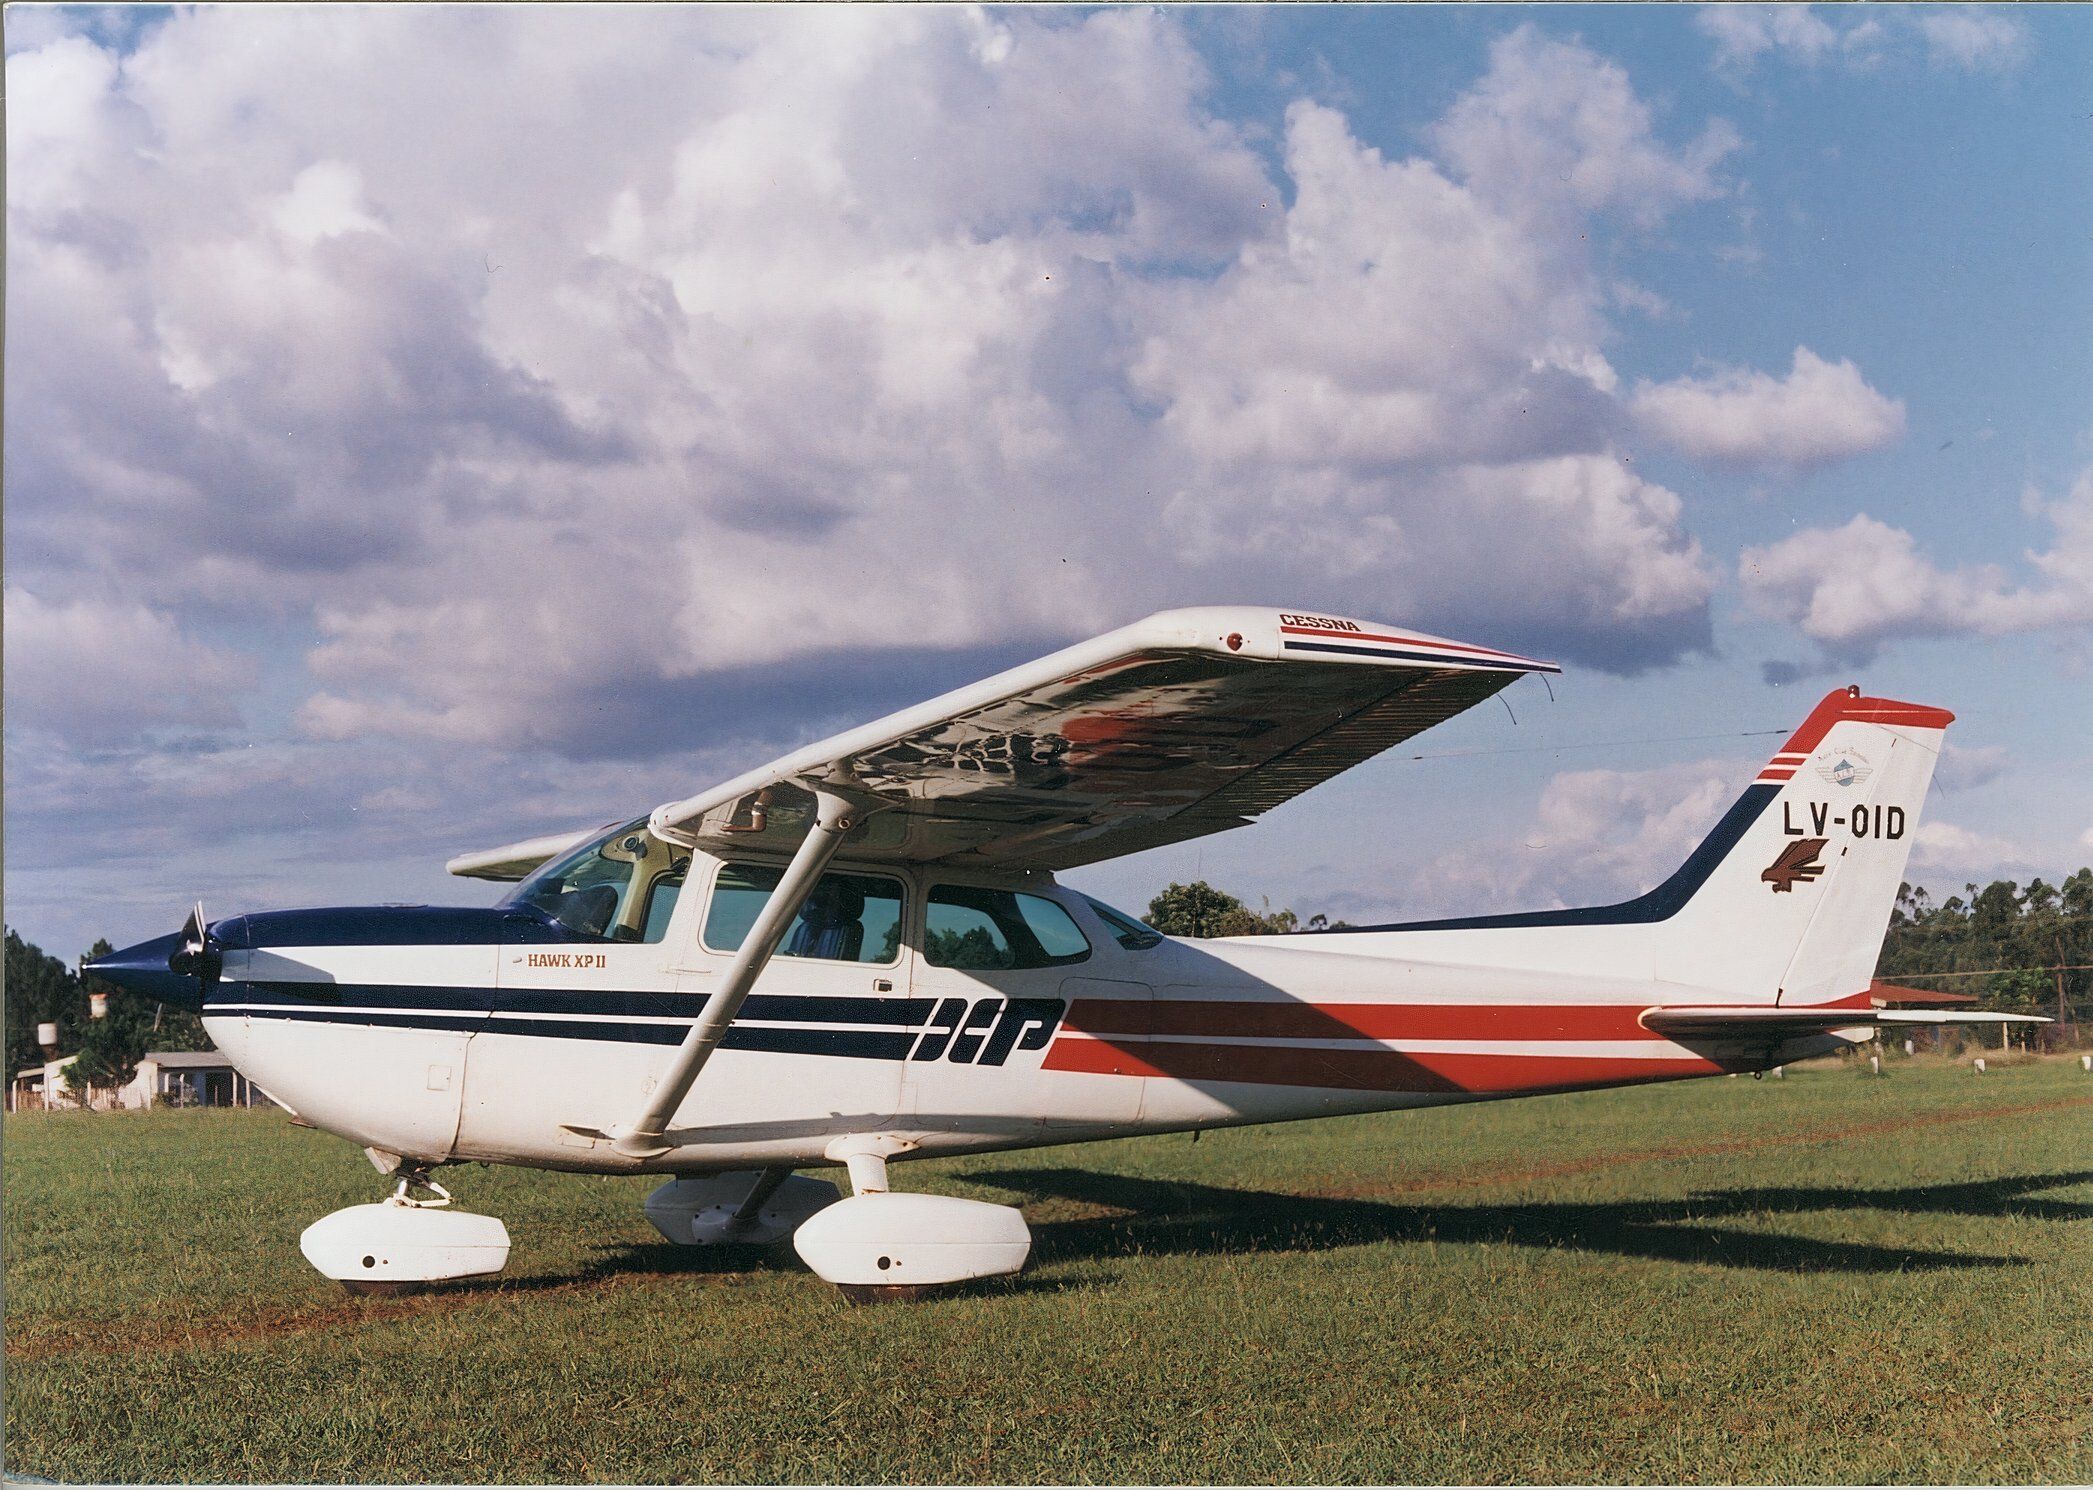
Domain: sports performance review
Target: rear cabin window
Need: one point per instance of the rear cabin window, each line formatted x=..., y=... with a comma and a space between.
x=998, y=931
x=847, y=918
x=1126, y=931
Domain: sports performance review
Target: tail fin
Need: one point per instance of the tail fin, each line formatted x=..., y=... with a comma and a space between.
x=1786, y=901
x=1794, y=907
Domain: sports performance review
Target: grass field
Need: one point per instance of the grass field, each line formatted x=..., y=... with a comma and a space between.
x=1827, y=1278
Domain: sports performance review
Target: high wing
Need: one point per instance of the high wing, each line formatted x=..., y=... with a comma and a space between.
x=1186, y=723
x=513, y=861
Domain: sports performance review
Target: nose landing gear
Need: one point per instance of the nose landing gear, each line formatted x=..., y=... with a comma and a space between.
x=404, y=1243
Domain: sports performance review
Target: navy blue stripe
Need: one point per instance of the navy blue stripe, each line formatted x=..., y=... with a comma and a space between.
x=391, y=926
x=462, y=1023
x=879, y=1045
x=1450, y=659
x=861, y=1044
x=1660, y=904
x=902, y=1013
x=826, y=1009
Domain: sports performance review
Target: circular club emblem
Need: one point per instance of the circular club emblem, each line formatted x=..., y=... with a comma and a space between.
x=1845, y=768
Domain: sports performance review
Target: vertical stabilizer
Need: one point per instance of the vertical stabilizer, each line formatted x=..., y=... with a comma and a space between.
x=1786, y=901
x=1796, y=909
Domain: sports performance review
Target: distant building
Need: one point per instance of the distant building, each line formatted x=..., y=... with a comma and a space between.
x=166, y=1078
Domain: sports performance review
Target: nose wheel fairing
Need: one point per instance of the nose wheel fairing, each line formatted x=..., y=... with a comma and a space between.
x=403, y=1244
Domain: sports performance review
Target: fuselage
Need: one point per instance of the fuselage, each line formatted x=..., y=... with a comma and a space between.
x=953, y=1011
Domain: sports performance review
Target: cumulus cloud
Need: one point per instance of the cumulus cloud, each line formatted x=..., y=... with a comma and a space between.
x=99, y=671
x=1745, y=33
x=1552, y=124
x=1938, y=845
x=1967, y=766
x=1596, y=836
x=1404, y=391
x=1820, y=412
x=748, y=316
x=1966, y=38
x=1973, y=38
x=1602, y=835
x=1853, y=587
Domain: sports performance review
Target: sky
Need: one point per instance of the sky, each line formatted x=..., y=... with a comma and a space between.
x=428, y=427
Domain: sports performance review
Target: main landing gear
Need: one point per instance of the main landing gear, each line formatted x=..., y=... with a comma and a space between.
x=403, y=1243
x=878, y=1245
x=741, y=1208
x=875, y=1245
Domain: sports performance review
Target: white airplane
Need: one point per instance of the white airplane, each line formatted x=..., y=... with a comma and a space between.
x=859, y=954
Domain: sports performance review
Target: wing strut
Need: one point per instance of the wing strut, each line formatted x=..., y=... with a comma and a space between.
x=836, y=816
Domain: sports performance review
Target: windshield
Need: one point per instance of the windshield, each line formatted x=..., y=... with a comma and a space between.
x=618, y=887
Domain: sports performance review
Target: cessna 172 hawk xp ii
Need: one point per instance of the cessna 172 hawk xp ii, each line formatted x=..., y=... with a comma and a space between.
x=859, y=953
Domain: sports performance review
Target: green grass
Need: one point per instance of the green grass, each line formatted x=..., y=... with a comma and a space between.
x=1827, y=1278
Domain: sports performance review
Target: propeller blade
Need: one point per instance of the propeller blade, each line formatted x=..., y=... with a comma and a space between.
x=197, y=956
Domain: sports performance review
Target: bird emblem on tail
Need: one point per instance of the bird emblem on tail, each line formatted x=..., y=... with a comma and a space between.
x=1798, y=861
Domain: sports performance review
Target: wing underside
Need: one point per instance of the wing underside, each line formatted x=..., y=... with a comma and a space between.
x=1187, y=724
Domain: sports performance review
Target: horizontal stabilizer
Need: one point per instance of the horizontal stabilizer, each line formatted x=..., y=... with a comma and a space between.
x=1745, y=1021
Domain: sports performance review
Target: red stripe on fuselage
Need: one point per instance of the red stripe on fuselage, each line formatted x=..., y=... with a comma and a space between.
x=1267, y=1019
x=1368, y=1070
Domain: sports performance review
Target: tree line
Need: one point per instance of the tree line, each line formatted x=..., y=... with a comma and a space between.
x=43, y=990
x=1200, y=910
x=2021, y=950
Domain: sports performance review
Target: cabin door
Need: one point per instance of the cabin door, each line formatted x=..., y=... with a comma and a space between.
x=999, y=972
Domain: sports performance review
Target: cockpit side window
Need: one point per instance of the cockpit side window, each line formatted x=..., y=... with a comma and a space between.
x=619, y=887
x=847, y=918
x=1128, y=932
x=985, y=930
x=661, y=904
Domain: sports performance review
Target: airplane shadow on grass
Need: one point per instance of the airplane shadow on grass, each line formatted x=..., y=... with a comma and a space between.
x=1161, y=1217
x=1177, y=1217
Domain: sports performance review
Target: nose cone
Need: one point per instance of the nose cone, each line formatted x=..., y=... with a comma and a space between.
x=143, y=970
